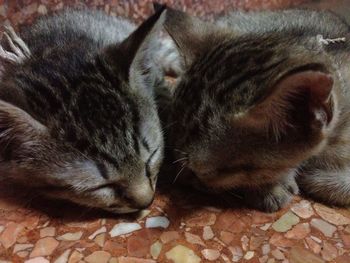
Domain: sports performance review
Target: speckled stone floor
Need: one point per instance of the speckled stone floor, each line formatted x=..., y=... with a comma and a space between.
x=181, y=226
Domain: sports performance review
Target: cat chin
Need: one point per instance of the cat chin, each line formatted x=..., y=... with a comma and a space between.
x=218, y=183
x=115, y=209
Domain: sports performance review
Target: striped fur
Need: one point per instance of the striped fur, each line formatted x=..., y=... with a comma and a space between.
x=260, y=95
x=92, y=133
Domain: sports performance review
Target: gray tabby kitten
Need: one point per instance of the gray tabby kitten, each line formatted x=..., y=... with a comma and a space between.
x=264, y=97
x=78, y=119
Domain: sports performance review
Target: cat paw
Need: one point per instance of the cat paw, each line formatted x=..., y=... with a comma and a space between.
x=273, y=198
x=18, y=48
x=290, y=185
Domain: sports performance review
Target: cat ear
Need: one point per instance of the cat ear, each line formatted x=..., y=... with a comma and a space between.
x=140, y=49
x=298, y=100
x=191, y=34
x=18, y=130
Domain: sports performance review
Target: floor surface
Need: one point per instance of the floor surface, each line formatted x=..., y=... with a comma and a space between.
x=191, y=227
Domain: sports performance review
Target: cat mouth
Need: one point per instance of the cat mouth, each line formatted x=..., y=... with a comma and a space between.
x=191, y=178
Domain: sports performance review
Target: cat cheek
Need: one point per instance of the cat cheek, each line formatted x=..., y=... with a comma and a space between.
x=156, y=161
x=224, y=181
x=105, y=197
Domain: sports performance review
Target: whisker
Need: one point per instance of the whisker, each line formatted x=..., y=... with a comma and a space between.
x=235, y=195
x=167, y=126
x=180, y=160
x=182, y=168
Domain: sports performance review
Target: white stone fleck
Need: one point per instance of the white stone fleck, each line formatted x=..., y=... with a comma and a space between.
x=100, y=239
x=124, y=228
x=316, y=239
x=48, y=232
x=339, y=245
x=155, y=249
x=63, y=258
x=157, y=221
x=46, y=223
x=245, y=242
x=182, y=254
x=71, y=236
x=249, y=255
x=303, y=209
x=285, y=222
x=97, y=232
x=207, y=233
x=237, y=253
x=266, y=226
x=331, y=215
x=160, y=210
x=225, y=258
x=219, y=241
x=98, y=257
x=277, y=254
x=194, y=239
x=21, y=247
x=210, y=254
x=321, y=225
x=265, y=249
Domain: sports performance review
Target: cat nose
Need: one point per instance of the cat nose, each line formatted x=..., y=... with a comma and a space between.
x=141, y=196
x=144, y=203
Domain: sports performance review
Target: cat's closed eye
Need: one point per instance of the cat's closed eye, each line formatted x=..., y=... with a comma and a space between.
x=149, y=163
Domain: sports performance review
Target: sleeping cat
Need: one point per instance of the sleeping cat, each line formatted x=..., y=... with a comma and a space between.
x=264, y=97
x=77, y=114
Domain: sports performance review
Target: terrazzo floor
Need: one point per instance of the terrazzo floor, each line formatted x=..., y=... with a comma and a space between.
x=181, y=226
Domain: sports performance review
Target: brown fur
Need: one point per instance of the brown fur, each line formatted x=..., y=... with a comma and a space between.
x=78, y=120
x=259, y=104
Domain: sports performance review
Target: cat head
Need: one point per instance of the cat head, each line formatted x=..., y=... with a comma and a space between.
x=248, y=109
x=85, y=130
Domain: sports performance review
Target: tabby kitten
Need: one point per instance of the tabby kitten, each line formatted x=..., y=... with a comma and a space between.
x=77, y=115
x=264, y=97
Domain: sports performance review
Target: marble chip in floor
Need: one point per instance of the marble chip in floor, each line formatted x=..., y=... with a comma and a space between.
x=180, y=227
